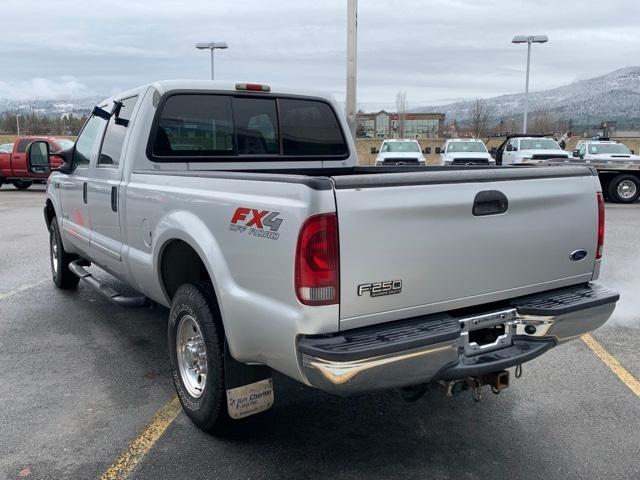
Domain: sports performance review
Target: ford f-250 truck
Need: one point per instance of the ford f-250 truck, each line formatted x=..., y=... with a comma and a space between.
x=13, y=164
x=242, y=209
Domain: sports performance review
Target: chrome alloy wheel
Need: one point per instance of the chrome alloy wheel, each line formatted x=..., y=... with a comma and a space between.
x=192, y=356
x=54, y=253
x=626, y=189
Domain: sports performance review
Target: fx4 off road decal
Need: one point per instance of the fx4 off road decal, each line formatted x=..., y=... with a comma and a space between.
x=379, y=289
x=259, y=223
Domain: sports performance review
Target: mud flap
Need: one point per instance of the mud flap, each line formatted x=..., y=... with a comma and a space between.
x=249, y=387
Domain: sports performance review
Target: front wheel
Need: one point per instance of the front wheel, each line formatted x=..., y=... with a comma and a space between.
x=196, y=354
x=22, y=184
x=61, y=275
x=624, y=188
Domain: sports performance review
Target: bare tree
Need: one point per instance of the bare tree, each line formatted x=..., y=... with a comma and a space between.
x=401, y=107
x=479, y=117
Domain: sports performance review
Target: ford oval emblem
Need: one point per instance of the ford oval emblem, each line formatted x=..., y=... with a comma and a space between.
x=578, y=255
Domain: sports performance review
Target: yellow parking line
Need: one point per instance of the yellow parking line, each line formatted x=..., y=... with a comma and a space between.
x=622, y=373
x=21, y=289
x=127, y=460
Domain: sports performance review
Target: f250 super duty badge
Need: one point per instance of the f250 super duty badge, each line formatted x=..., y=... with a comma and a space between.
x=259, y=223
x=379, y=289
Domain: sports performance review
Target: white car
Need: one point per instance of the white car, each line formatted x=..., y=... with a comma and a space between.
x=400, y=152
x=465, y=152
x=531, y=150
x=598, y=150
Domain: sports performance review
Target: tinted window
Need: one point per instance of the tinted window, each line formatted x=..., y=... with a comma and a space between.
x=195, y=125
x=403, y=147
x=86, y=141
x=114, y=135
x=256, y=126
x=22, y=145
x=539, y=144
x=310, y=128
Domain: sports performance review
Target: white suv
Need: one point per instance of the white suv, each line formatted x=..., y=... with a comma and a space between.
x=460, y=151
x=400, y=152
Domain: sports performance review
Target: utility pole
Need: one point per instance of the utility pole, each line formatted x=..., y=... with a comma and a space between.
x=18, y=122
x=352, y=64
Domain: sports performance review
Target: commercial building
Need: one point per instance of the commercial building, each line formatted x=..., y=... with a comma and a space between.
x=385, y=124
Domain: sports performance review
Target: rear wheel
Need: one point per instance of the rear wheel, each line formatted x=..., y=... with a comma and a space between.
x=196, y=351
x=624, y=188
x=60, y=259
x=22, y=184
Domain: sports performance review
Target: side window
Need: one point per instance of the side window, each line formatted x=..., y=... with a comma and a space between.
x=22, y=145
x=310, y=128
x=114, y=135
x=195, y=125
x=86, y=141
x=256, y=126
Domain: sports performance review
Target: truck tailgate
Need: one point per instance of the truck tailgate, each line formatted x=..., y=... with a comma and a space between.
x=419, y=231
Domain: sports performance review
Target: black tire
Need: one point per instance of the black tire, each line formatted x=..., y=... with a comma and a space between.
x=22, y=184
x=624, y=188
x=209, y=410
x=61, y=275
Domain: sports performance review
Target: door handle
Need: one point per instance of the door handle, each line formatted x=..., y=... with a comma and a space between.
x=114, y=199
x=84, y=192
x=490, y=202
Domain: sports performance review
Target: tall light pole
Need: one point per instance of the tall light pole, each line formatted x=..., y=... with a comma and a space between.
x=18, y=122
x=211, y=46
x=352, y=50
x=528, y=39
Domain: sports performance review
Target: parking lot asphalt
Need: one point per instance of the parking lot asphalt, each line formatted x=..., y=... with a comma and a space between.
x=81, y=378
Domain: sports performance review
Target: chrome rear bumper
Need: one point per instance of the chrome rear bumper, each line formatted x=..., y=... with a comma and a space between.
x=438, y=347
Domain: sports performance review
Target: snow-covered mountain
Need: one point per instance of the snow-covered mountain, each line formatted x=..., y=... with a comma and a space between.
x=614, y=96
x=54, y=108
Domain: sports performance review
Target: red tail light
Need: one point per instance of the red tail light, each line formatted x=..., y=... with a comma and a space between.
x=600, y=244
x=317, y=261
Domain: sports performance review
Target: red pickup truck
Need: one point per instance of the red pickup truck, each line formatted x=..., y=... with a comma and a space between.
x=13, y=165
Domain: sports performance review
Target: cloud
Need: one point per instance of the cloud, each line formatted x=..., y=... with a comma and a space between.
x=42, y=88
x=437, y=51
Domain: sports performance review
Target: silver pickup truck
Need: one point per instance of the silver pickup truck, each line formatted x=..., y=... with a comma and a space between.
x=242, y=209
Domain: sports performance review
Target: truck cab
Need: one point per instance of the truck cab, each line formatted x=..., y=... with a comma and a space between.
x=461, y=151
x=400, y=152
x=13, y=164
x=531, y=149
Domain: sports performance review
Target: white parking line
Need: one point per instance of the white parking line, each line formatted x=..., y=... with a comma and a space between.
x=21, y=289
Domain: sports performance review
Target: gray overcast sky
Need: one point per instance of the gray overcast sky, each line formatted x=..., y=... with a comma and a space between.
x=438, y=51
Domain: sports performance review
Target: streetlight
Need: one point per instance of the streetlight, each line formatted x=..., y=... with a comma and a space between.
x=211, y=46
x=528, y=39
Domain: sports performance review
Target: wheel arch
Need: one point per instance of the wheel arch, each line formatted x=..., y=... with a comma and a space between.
x=49, y=212
x=187, y=251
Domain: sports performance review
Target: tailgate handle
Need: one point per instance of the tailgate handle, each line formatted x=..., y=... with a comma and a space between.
x=490, y=202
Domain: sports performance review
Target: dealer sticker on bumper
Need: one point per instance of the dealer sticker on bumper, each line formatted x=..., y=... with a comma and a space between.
x=250, y=399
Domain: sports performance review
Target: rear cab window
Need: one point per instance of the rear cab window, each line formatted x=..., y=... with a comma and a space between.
x=223, y=127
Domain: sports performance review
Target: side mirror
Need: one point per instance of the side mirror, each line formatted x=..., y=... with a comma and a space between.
x=426, y=150
x=374, y=150
x=37, y=154
x=633, y=152
x=576, y=154
x=439, y=151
